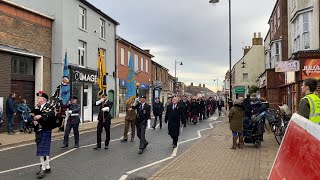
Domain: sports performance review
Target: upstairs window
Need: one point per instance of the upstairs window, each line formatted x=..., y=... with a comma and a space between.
x=122, y=56
x=147, y=66
x=306, y=34
x=278, y=15
x=136, y=62
x=102, y=29
x=82, y=53
x=245, y=76
x=142, y=63
x=82, y=18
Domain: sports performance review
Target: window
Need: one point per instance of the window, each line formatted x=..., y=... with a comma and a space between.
x=128, y=58
x=82, y=18
x=245, y=76
x=102, y=29
x=306, y=34
x=296, y=34
x=122, y=56
x=156, y=73
x=277, y=51
x=82, y=53
x=147, y=66
x=278, y=15
x=160, y=75
x=136, y=62
x=142, y=63
x=275, y=24
x=22, y=65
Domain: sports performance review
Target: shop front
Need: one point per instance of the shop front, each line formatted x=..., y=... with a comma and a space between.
x=83, y=85
x=239, y=91
x=157, y=88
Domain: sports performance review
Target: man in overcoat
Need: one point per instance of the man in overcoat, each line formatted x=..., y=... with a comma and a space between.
x=174, y=116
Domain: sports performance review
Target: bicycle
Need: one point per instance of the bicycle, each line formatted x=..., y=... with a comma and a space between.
x=280, y=126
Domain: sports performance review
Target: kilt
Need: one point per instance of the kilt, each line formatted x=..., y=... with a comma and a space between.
x=43, y=148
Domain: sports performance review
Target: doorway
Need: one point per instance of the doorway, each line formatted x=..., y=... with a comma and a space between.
x=87, y=102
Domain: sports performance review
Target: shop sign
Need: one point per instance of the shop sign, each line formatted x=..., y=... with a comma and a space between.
x=88, y=76
x=144, y=86
x=240, y=89
x=157, y=83
x=122, y=82
x=311, y=69
x=287, y=66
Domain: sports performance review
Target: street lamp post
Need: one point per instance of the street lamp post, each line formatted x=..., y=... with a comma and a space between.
x=175, y=75
x=230, y=48
x=216, y=79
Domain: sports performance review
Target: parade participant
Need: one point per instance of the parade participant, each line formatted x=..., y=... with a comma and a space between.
x=202, y=109
x=143, y=115
x=22, y=110
x=72, y=122
x=194, y=111
x=185, y=105
x=157, y=112
x=214, y=105
x=174, y=115
x=10, y=112
x=309, y=105
x=220, y=104
x=44, y=119
x=236, y=124
x=104, y=121
x=130, y=120
x=208, y=107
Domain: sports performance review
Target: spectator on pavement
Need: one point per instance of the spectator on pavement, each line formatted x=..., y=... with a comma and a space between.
x=22, y=110
x=236, y=125
x=1, y=118
x=309, y=105
x=255, y=103
x=264, y=107
x=10, y=112
x=247, y=106
x=230, y=103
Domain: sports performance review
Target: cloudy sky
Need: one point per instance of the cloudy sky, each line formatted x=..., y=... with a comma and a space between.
x=192, y=31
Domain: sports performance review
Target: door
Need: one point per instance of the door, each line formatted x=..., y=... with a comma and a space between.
x=87, y=102
x=111, y=98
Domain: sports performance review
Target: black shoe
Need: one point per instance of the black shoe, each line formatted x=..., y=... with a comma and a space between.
x=124, y=140
x=160, y=127
x=64, y=146
x=145, y=146
x=47, y=171
x=21, y=130
x=106, y=147
x=141, y=151
x=132, y=140
x=76, y=146
x=184, y=125
x=41, y=174
x=97, y=148
x=174, y=146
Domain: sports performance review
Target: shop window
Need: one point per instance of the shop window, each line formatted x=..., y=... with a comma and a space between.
x=22, y=65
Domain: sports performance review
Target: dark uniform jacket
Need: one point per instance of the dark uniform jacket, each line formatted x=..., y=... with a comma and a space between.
x=174, y=117
x=220, y=104
x=194, y=108
x=143, y=113
x=157, y=109
x=74, y=117
x=48, y=119
x=105, y=115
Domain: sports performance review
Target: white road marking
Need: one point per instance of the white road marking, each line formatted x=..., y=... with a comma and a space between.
x=123, y=177
x=18, y=168
x=54, y=139
x=175, y=150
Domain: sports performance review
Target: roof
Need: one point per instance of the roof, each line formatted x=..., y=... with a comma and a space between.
x=118, y=38
x=157, y=64
x=99, y=11
x=27, y=9
x=15, y=50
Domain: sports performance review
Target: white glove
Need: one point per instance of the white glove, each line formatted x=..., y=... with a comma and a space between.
x=105, y=109
x=25, y=120
x=70, y=111
x=149, y=123
x=99, y=102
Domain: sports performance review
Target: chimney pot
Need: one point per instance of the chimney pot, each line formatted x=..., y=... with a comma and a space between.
x=259, y=35
x=254, y=35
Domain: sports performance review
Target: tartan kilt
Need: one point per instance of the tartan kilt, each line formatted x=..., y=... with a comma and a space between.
x=43, y=148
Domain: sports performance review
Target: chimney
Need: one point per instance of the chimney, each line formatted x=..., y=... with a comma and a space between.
x=257, y=40
x=204, y=85
x=246, y=50
x=199, y=85
x=191, y=84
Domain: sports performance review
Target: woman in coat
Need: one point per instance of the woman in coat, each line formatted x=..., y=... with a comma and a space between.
x=22, y=109
x=236, y=126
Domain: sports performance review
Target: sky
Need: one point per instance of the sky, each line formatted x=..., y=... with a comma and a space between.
x=193, y=32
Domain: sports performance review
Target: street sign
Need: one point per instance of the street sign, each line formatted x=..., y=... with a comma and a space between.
x=240, y=90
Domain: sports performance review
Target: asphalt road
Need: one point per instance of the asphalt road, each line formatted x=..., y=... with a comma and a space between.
x=120, y=160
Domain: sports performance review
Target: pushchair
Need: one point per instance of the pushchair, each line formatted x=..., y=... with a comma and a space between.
x=253, y=129
x=27, y=119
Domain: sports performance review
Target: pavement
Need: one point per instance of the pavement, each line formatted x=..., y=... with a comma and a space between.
x=212, y=159
x=20, y=138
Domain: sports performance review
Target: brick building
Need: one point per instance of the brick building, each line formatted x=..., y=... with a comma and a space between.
x=143, y=67
x=160, y=82
x=25, y=52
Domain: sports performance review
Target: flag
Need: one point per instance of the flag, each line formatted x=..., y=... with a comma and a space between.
x=131, y=82
x=65, y=86
x=102, y=75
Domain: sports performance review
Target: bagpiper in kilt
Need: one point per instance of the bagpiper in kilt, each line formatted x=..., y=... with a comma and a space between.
x=44, y=118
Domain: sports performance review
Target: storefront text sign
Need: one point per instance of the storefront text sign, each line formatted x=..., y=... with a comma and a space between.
x=287, y=66
x=84, y=77
x=311, y=69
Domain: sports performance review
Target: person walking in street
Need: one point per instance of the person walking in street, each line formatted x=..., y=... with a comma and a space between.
x=309, y=105
x=143, y=115
x=184, y=104
x=194, y=111
x=247, y=107
x=157, y=112
x=72, y=122
x=220, y=104
x=236, y=124
x=130, y=120
x=174, y=115
x=23, y=110
x=202, y=109
x=44, y=118
x=104, y=121
x=10, y=112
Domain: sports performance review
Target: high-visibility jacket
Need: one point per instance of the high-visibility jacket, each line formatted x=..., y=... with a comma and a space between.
x=314, y=102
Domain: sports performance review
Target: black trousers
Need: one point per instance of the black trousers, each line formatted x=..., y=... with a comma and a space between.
x=75, y=128
x=106, y=126
x=174, y=140
x=141, y=133
x=156, y=119
x=184, y=118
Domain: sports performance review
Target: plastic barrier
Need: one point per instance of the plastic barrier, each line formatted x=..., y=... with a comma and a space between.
x=299, y=154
